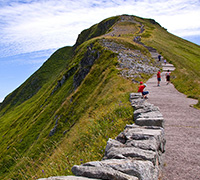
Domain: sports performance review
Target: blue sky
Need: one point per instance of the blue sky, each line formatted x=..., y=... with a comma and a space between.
x=32, y=30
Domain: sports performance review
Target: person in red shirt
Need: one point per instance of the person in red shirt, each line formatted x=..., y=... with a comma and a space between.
x=141, y=89
x=158, y=77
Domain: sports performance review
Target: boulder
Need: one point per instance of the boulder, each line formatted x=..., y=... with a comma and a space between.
x=144, y=137
x=142, y=169
x=139, y=103
x=152, y=114
x=131, y=152
x=159, y=121
x=135, y=95
x=101, y=173
x=145, y=109
x=146, y=144
x=113, y=143
x=141, y=132
x=67, y=178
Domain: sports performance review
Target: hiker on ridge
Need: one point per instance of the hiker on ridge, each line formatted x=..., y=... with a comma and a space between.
x=159, y=57
x=158, y=77
x=168, y=76
x=141, y=89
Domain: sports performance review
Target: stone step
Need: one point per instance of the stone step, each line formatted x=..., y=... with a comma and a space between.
x=159, y=121
x=165, y=69
x=167, y=65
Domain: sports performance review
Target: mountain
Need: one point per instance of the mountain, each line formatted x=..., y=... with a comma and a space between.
x=66, y=111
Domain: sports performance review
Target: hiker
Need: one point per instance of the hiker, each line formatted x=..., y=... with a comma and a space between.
x=158, y=77
x=159, y=57
x=165, y=61
x=141, y=89
x=168, y=76
x=140, y=84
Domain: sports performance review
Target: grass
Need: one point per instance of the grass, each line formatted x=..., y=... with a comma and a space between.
x=87, y=139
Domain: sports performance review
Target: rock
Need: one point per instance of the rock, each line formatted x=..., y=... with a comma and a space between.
x=135, y=95
x=147, y=115
x=139, y=133
x=142, y=169
x=147, y=144
x=146, y=108
x=150, y=112
x=153, y=114
x=53, y=131
x=113, y=143
x=143, y=135
x=139, y=103
x=150, y=122
x=67, y=178
x=131, y=152
x=85, y=65
x=101, y=173
x=132, y=62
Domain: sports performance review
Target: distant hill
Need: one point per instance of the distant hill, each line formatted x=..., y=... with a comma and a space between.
x=80, y=96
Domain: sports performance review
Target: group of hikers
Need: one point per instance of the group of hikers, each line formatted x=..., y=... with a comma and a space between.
x=142, y=85
x=167, y=75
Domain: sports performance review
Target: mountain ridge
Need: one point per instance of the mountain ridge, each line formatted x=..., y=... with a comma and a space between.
x=84, y=90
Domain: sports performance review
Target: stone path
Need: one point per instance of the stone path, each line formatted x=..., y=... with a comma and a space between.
x=182, y=130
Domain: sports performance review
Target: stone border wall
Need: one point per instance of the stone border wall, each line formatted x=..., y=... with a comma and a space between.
x=135, y=154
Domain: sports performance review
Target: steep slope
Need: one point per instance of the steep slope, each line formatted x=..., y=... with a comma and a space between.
x=77, y=99
x=50, y=70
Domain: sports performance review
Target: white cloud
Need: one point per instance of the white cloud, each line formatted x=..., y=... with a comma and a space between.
x=39, y=25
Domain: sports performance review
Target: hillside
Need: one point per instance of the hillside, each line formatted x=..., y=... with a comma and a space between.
x=80, y=96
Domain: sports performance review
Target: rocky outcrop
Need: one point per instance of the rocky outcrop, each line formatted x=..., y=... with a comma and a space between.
x=135, y=154
x=59, y=84
x=132, y=62
x=85, y=65
x=81, y=70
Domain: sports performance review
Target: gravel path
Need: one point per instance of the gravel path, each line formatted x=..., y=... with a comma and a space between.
x=182, y=131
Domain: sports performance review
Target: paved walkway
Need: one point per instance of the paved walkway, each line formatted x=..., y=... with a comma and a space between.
x=182, y=131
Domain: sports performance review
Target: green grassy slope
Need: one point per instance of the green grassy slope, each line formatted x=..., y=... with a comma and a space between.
x=49, y=71
x=21, y=125
x=28, y=139
x=66, y=111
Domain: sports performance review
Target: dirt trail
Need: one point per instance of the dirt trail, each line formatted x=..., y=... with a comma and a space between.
x=182, y=131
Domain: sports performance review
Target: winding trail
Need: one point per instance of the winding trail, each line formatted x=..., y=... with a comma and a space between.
x=182, y=131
